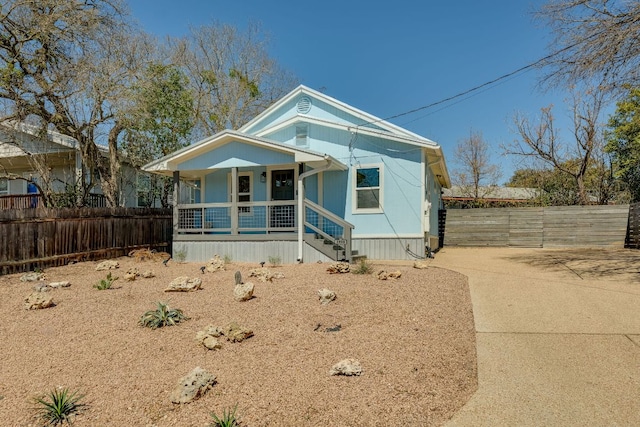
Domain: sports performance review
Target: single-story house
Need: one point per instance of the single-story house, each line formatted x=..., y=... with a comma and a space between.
x=309, y=179
x=21, y=143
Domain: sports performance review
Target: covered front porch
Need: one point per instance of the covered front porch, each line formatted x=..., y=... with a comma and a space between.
x=241, y=189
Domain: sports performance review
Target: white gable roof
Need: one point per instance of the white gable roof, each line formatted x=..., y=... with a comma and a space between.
x=365, y=123
x=170, y=163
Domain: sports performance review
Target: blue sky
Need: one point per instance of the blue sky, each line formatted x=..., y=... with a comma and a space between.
x=390, y=57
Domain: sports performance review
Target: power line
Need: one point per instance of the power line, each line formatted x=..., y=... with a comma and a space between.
x=478, y=87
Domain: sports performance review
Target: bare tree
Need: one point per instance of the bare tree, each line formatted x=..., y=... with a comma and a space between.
x=475, y=169
x=540, y=141
x=69, y=65
x=595, y=40
x=232, y=76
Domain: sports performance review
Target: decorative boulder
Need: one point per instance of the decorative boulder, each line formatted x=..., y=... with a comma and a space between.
x=131, y=274
x=32, y=277
x=107, y=265
x=148, y=274
x=421, y=265
x=383, y=275
x=339, y=268
x=184, y=284
x=193, y=386
x=41, y=287
x=326, y=295
x=209, y=338
x=236, y=333
x=56, y=285
x=243, y=291
x=265, y=275
x=215, y=264
x=347, y=367
x=37, y=301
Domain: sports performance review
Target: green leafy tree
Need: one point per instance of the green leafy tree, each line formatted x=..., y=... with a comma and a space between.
x=623, y=141
x=162, y=123
x=231, y=74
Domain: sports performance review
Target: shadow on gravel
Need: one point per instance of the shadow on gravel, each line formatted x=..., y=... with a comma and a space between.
x=603, y=263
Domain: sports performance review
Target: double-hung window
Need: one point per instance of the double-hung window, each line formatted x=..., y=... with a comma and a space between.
x=4, y=186
x=367, y=194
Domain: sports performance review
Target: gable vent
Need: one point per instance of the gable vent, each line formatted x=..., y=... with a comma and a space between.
x=304, y=105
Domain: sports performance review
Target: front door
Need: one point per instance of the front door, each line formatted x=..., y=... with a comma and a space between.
x=282, y=188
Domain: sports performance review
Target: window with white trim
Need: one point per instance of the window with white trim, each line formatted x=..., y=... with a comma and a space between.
x=302, y=135
x=367, y=194
x=4, y=186
x=245, y=190
x=143, y=190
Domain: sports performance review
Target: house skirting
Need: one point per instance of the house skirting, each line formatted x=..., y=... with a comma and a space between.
x=253, y=251
x=391, y=248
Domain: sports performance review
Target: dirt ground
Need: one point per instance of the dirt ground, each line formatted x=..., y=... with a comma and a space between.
x=414, y=337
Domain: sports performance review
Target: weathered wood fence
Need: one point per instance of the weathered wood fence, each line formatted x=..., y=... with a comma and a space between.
x=555, y=226
x=633, y=228
x=38, y=238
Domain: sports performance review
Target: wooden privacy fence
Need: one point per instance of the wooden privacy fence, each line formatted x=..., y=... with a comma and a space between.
x=38, y=238
x=555, y=226
x=633, y=228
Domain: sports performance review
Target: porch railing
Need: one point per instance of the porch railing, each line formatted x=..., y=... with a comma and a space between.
x=251, y=217
x=330, y=227
x=326, y=228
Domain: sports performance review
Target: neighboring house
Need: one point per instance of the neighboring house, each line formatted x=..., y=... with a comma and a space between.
x=489, y=196
x=20, y=143
x=309, y=179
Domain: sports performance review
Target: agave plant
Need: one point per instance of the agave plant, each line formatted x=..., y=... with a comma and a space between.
x=59, y=406
x=105, y=283
x=162, y=316
x=228, y=418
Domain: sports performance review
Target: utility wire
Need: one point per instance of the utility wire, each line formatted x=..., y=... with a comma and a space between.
x=476, y=88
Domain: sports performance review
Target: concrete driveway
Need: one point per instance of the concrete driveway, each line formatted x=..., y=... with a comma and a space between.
x=558, y=336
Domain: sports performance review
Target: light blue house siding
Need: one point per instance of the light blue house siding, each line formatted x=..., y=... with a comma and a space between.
x=350, y=160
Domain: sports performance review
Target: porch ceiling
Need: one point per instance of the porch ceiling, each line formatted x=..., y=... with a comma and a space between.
x=233, y=149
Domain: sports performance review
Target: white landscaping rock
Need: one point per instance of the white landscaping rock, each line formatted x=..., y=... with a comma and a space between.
x=55, y=285
x=243, y=291
x=184, y=284
x=347, y=367
x=38, y=300
x=107, y=265
x=193, y=386
x=326, y=296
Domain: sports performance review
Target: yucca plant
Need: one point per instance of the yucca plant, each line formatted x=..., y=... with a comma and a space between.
x=59, y=406
x=162, y=316
x=228, y=418
x=105, y=283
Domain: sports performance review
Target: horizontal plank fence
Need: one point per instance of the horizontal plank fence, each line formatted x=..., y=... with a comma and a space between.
x=538, y=227
x=633, y=228
x=39, y=238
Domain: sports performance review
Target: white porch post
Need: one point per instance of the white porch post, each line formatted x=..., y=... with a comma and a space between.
x=176, y=201
x=301, y=216
x=234, y=200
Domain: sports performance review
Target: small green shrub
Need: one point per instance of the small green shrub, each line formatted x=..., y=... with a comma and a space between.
x=59, y=406
x=105, y=283
x=363, y=267
x=228, y=418
x=162, y=316
x=227, y=259
x=275, y=260
x=181, y=255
